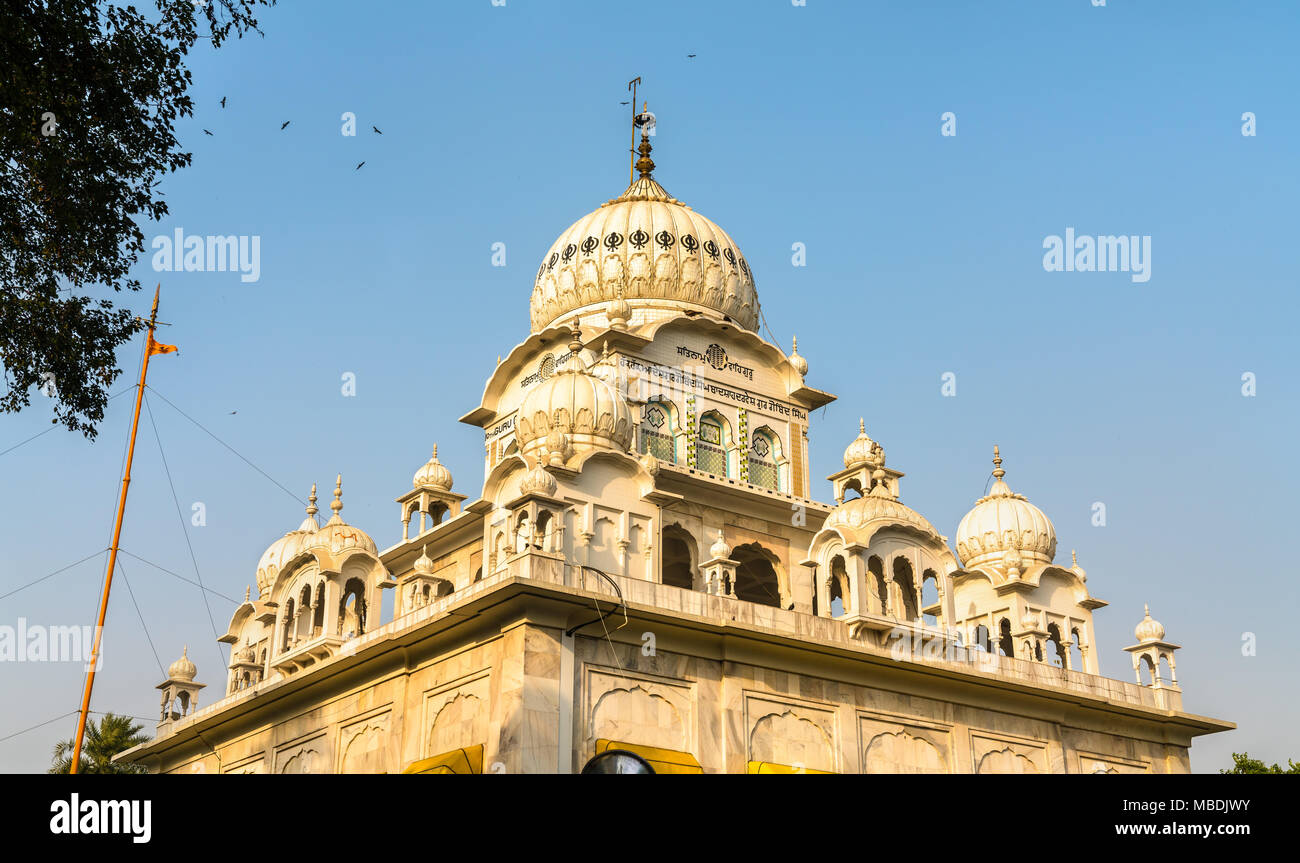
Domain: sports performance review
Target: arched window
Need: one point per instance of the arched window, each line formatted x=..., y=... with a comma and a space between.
x=756, y=578
x=877, y=569
x=1055, y=650
x=478, y=574
x=318, y=615
x=437, y=512
x=544, y=533
x=839, y=586
x=711, y=447
x=352, y=609
x=1006, y=646
x=677, y=558
x=1076, y=650
x=852, y=489
x=658, y=419
x=427, y=593
x=288, y=624
x=982, y=638
x=906, y=586
x=929, y=594
x=764, y=453
x=523, y=532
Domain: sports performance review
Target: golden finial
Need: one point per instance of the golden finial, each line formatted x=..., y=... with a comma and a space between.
x=575, y=337
x=1074, y=557
x=862, y=426
x=435, y=452
x=248, y=591
x=796, y=344
x=337, y=504
x=311, y=498
x=1146, y=609
x=645, y=165
x=997, y=463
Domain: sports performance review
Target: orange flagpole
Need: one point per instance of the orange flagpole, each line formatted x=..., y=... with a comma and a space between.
x=151, y=347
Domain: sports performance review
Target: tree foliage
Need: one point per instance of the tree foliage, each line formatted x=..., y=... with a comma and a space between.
x=91, y=95
x=108, y=737
x=1243, y=763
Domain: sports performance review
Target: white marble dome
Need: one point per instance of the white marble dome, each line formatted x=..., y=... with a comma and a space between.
x=286, y=548
x=573, y=409
x=1148, y=629
x=863, y=450
x=433, y=474
x=183, y=668
x=649, y=251
x=859, y=514
x=1003, y=521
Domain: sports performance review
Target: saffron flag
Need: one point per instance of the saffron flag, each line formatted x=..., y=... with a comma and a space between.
x=160, y=348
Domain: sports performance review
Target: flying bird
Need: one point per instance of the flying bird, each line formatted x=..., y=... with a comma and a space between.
x=206, y=132
x=622, y=103
x=376, y=128
x=232, y=413
x=359, y=164
x=690, y=55
x=285, y=123
x=223, y=101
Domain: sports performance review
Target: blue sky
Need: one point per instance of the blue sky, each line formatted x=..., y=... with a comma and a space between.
x=817, y=125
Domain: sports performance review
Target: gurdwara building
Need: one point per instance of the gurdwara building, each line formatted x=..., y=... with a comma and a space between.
x=645, y=569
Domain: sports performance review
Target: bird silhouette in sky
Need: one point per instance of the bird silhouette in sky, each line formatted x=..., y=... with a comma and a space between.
x=376, y=128
x=359, y=164
x=622, y=103
x=206, y=132
x=690, y=55
x=223, y=101
x=232, y=413
x=285, y=123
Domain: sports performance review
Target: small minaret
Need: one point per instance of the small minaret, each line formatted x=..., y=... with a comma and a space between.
x=1151, y=648
x=179, y=691
x=720, y=570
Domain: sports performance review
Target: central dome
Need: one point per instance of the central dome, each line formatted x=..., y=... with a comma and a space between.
x=650, y=250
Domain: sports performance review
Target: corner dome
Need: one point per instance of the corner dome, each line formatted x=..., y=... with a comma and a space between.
x=183, y=668
x=1002, y=522
x=1149, y=630
x=863, y=450
x=287, y=547
x=572, y=409
x=859, y=517
x=433, y=474
x=645, y=251
x=336, y=535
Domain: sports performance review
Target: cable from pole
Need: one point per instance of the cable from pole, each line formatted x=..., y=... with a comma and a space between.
x=181, y=577
x=226, y=445
x=193, y=559
x=52, y=574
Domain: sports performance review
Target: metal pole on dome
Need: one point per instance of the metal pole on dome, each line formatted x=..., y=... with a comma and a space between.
x=151, y=347
x=631, y=161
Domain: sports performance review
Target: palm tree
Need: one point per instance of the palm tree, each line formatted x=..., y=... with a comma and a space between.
x=113, y=734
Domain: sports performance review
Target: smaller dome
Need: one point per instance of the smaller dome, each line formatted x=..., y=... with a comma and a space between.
x=863, y=450
x=182, y=669
x=720, y=550
x=864, y=514
x=798, y=363
x=573, y=409
x=539, y=481
x=1075, y=568
x=1029, y=621
x=246, y=655
x=423, y=563
x=1148, y=629
x=433, y=474
x=1003, y=521
x=287, y=547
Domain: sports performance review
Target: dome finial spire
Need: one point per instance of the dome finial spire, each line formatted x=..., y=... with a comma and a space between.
x=575, y=337
x=862, y=426
x=997, y=463
x=645, y=165
x=311, y=505
x=336, y=505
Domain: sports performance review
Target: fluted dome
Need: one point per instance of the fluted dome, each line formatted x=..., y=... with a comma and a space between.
x=1148, y=629
x=859, y=513
x=863, y=450
x=287, y=547
x=433, y=474
x=1004, y=521
x=336, y=535
x=573, y=408
x=182, y=669
x=644, y=250
x=720, y=550
x=539, y=481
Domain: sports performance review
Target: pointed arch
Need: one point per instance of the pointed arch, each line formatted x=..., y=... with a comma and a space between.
x=766, y=457
x=713, y=444
x=659, y=429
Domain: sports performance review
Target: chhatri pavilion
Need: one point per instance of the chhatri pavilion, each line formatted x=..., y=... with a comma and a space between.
x=645, y=569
